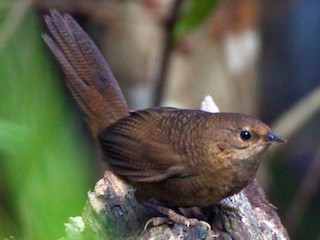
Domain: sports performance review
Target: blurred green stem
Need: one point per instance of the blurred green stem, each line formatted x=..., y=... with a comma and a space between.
x=11, y=23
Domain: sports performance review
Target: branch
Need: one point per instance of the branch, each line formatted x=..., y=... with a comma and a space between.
x=167, y=53
x=112, y=212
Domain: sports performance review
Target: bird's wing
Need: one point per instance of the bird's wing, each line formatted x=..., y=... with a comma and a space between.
x=137, y=149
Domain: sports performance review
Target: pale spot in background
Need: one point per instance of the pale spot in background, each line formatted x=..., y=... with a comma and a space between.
x=209, y=105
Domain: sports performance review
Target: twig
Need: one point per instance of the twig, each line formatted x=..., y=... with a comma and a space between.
x=167, y=52
x=306, y=191
x=296, y=116
x=12, y=21
x=287, y=125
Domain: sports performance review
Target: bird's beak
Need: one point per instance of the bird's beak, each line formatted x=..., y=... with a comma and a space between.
x=274, y=138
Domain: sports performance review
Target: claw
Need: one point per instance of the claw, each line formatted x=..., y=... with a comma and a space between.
x=156, y=221
x=187, y=223
x=205, y=224
x=171, y=215
x=194, y=222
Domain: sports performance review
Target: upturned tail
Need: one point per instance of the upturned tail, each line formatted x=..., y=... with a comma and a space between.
x=88, y=75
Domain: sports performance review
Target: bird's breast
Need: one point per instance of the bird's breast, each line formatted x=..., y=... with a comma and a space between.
x=201, y=190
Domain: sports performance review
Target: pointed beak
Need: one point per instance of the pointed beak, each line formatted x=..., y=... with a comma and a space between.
x=274, y=138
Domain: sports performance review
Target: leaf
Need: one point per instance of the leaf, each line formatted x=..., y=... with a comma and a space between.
x=194, y=16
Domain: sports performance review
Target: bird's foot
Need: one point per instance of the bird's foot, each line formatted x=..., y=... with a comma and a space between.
x=157, y=221
x=172, y=216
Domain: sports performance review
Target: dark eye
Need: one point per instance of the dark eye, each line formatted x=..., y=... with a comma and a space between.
x=245, y=135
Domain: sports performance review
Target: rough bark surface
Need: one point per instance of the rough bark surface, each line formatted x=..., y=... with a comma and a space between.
x=254, y=217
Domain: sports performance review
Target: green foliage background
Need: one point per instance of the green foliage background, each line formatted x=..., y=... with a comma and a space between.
x=45, y=171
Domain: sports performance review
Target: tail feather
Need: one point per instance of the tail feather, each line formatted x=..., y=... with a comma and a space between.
x=88, y=75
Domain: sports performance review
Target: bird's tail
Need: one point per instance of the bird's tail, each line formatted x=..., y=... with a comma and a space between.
x=88, y=75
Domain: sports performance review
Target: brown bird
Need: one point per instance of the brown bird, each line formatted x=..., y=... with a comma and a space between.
x=181, y=158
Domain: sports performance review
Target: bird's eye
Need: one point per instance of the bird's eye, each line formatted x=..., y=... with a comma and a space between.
x=245, y=135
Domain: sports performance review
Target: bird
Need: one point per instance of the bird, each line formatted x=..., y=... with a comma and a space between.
x=177, y=157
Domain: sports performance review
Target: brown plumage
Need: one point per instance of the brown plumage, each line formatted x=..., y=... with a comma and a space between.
x=179, y=157
x=88, y=75
x=185, y=157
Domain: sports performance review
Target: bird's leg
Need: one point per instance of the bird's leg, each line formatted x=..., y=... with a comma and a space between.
x=171, y=215
x=219, y=207
x=223, y=207
x=215, y=211
x=193, y=212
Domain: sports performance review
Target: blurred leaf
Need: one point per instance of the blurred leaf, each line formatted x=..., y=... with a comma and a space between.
x=7, y=225
x=44, y=168
x=11, y=135
x=195, y=15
